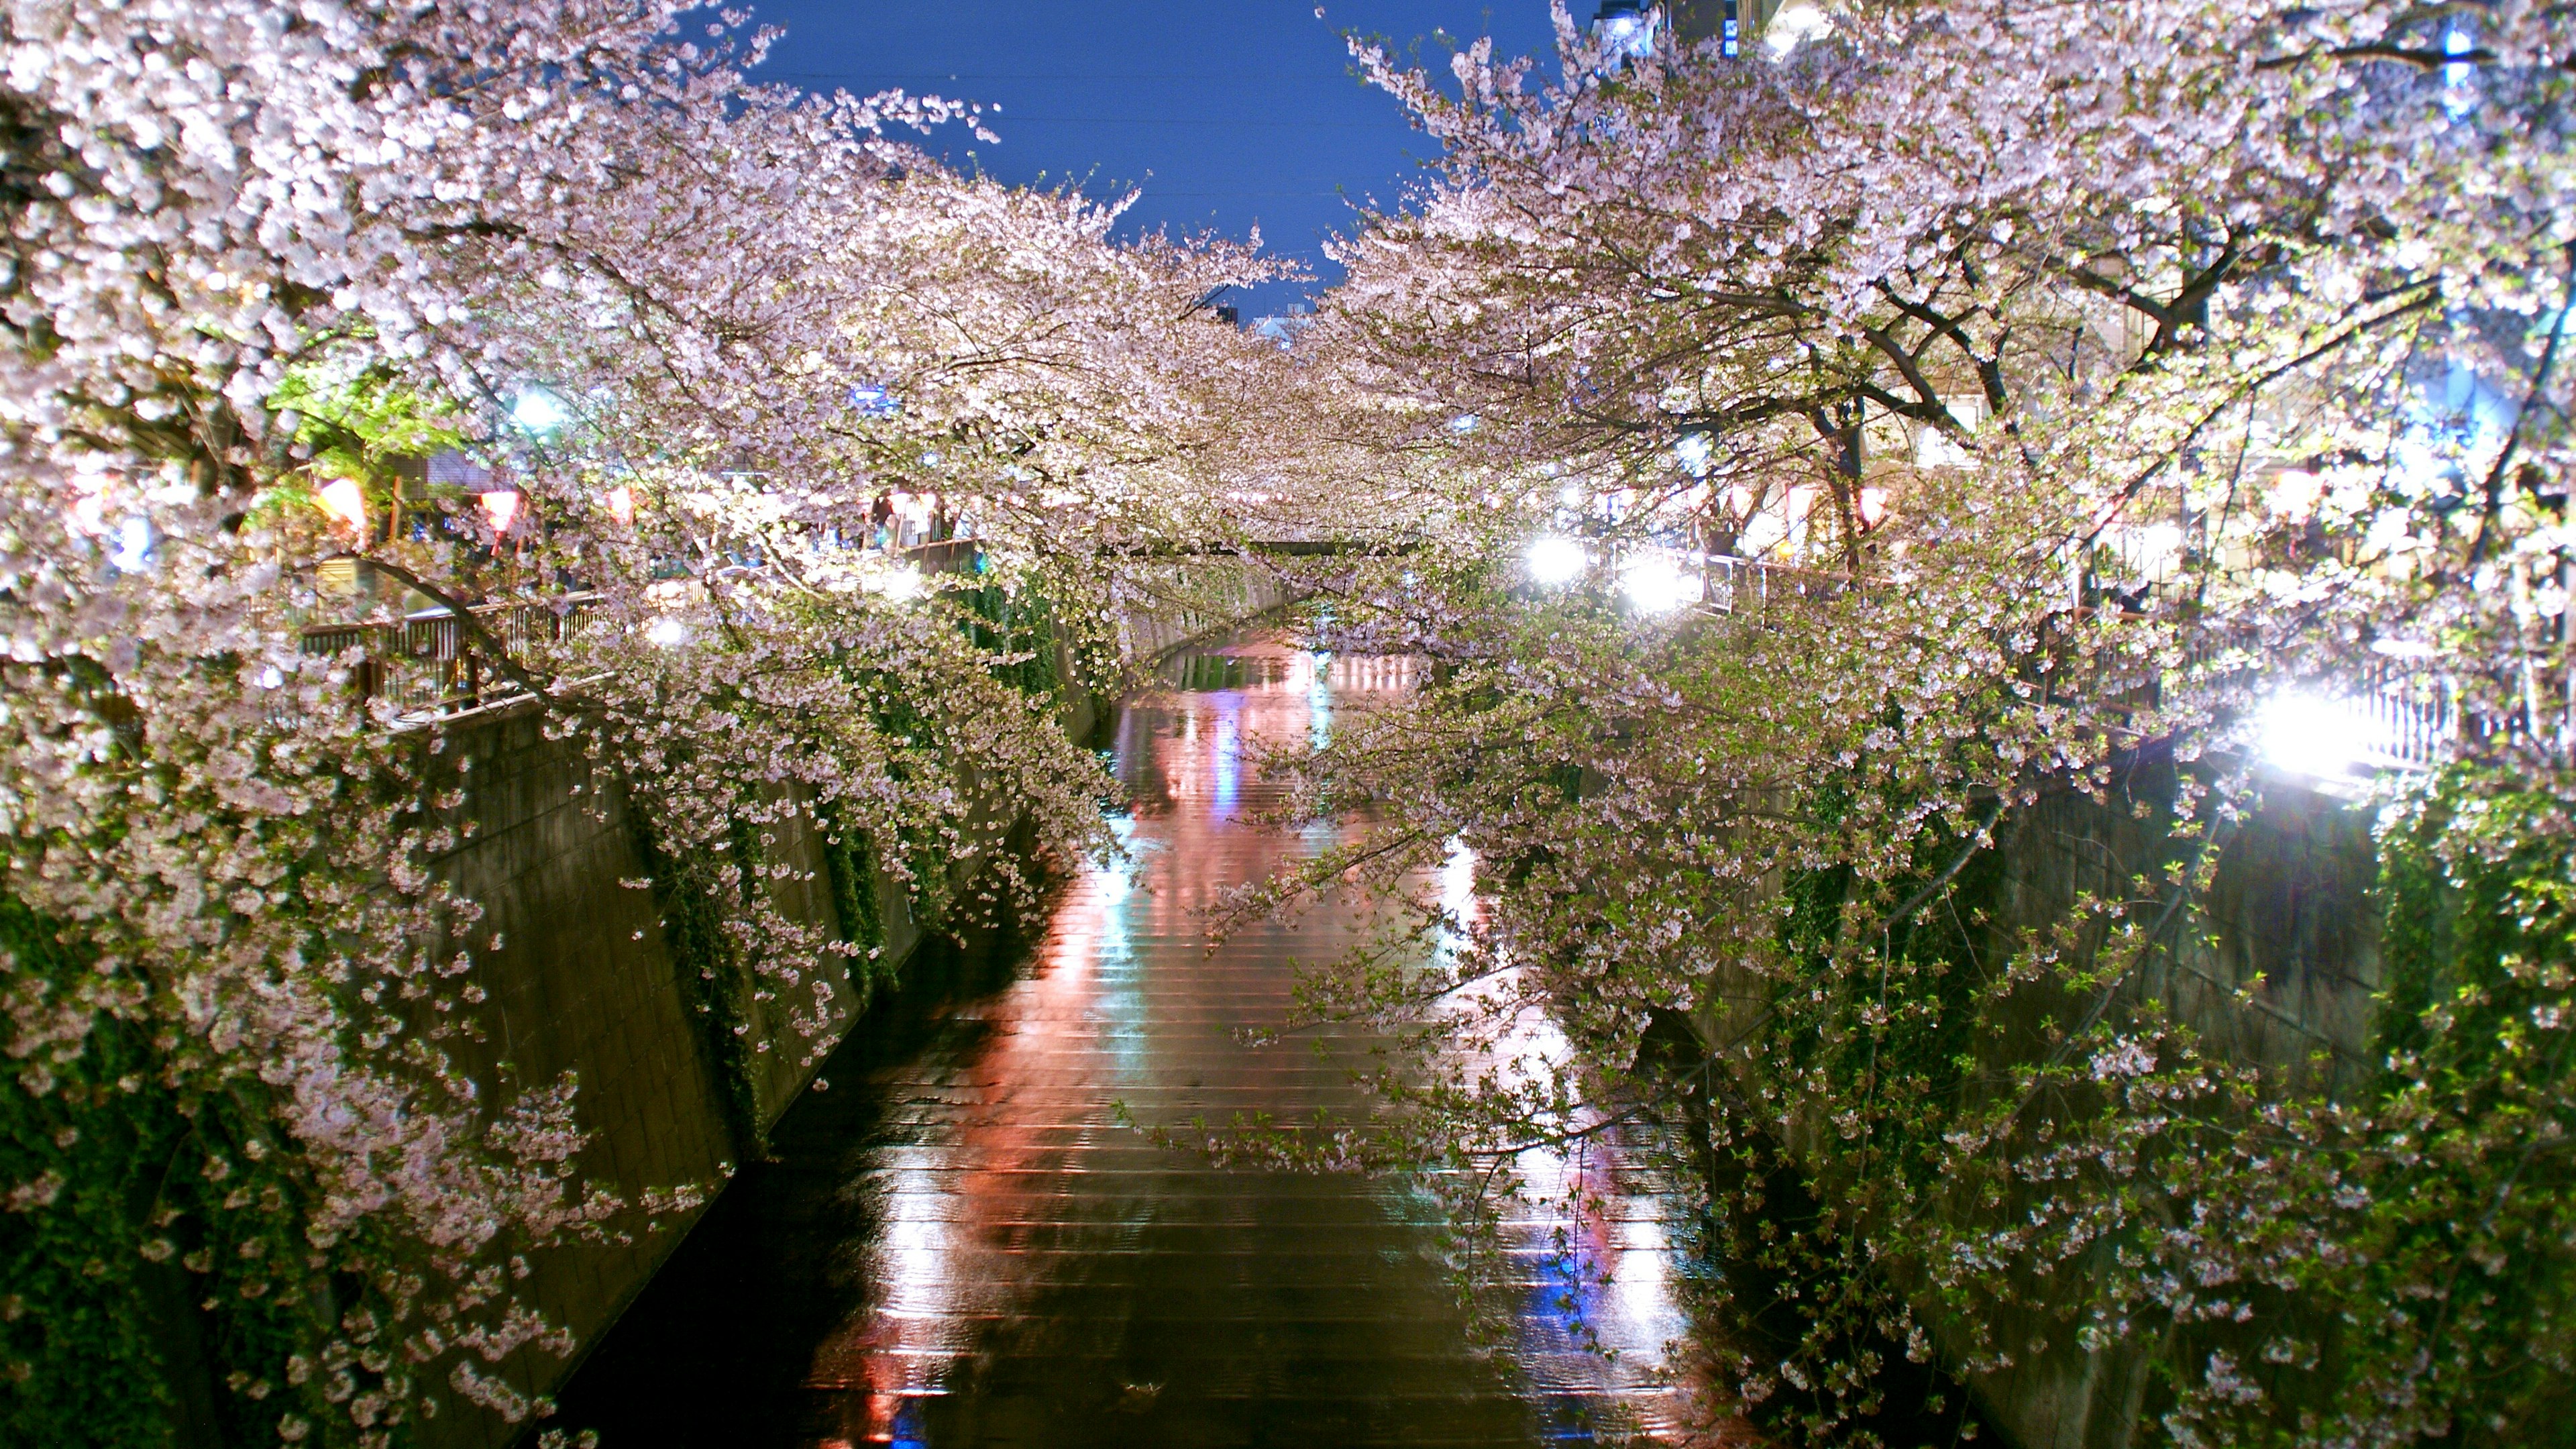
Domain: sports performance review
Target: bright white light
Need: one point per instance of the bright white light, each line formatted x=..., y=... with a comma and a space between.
x=133, y=545
x=1457, y=895
x=1627, y=33
x=669, y=633
x=1554, y=561
x=1656, y=585
x=2313, y=735
x=1934, y=448
x=1798, y=22
x=1465, y=423
x=1692, y=452
x=2151, y=551
x=346, y=502
x=901, y=584
x=539, y=411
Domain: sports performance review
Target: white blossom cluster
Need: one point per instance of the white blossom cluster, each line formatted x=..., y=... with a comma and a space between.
x=2037, y=401
x=232, y=229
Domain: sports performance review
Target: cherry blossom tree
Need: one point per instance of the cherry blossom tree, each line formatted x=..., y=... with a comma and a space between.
x=2109, y=382
x=257, y=254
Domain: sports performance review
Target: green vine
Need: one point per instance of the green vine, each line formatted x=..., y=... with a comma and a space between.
x=1019, y=624
x=714, y=982
x=155, y=1263
x=849, y=864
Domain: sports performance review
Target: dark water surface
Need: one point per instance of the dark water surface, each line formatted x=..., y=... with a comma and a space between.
x=960, y=1244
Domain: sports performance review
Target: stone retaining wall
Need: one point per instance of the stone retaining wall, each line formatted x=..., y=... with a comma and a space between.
x=2291, y=903
x=585, y=982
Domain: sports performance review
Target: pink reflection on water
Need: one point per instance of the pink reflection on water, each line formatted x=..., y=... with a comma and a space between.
x=1020, y=1217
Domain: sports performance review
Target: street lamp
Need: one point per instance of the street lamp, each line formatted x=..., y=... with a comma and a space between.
x=1797, y=22
x=539, y=412
x=1555, y=560
x=2314, y=734
x=1655, y=583
x=1624, y=30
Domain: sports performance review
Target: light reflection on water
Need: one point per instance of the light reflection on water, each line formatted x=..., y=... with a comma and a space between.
x=995, y=1258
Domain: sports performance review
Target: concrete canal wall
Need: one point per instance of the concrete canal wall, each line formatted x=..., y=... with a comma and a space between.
x=587, y=981
x=2275, y=965
x=2290, y=922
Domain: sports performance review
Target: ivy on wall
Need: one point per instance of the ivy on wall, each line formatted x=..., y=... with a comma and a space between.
x=1020, y=628
x=714, y=982
x=850, y=867
x=157, y=1281
x=160, y=1281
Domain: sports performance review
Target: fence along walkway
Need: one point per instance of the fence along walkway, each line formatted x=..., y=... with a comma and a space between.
x=432, y=665
x=2397, y=716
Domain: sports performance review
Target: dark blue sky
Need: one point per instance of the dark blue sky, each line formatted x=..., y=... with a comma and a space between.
x=1226, y=113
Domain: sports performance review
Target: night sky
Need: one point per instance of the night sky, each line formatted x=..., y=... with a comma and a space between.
x=1226, y=114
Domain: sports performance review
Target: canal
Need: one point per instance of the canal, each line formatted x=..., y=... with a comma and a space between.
x=963, y=1241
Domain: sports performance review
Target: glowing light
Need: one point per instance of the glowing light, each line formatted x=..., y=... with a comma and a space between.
x=501, y=508
x=1873, y=507
x=901, y=584
x=2313, y=735
x=1553, y=561
x=1457, y=895
x=1621, y=31
x=539, y=411
x=2457, y=98
x=668, y=633
x=346, y=503
x=1798, y=22
x=1465, y=423
x=2152, y=551
x=1657, y=585
x=1692, y=451
x=133, y=553
x=2294, y=494
x=621, y=504
x=1934, y=448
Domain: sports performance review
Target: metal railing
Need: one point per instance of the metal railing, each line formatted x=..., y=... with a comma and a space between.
x=1733, y=585
x=2398, y=716
x=2406, y=718
x=431, y=665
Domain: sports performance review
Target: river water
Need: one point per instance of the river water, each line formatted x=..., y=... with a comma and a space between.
x=961, y=1242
